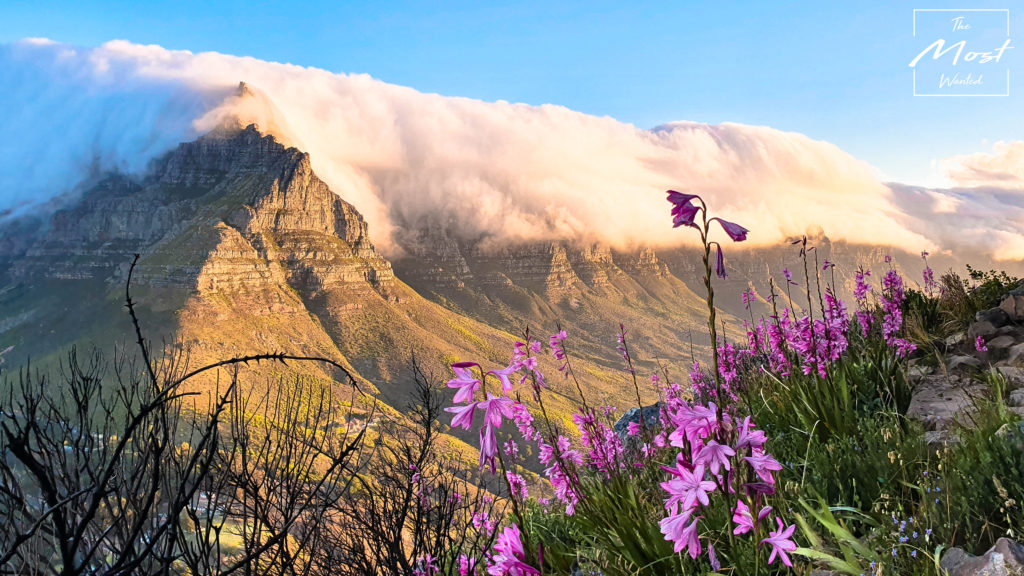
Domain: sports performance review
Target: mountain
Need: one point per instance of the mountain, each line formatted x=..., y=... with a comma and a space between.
x=244, y=249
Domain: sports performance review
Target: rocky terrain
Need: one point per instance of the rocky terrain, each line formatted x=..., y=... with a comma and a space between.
x=947, y=393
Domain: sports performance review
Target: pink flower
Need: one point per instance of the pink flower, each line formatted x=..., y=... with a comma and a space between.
x=763, y=464
x=676, y=529
x=509, y=555
x=979, y=344
x=633, y=429
x=494, y=408
x=518, y=486
x=746, y=437
x=781, y=542
x=488, y=448
x=464, y=381
x=715, y=456
x=693, y=423
x=744, y=519
x=467, y=565
x=688, y=488
x=504, y=373
x=463, y=415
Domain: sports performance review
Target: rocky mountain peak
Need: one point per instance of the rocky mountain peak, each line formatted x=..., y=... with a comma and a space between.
x=264, y=193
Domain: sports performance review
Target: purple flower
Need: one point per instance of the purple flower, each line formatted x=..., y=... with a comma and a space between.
x=735, y=231
x=979, y=344
x=683, y=209
x=789, y=276
x=684, y=216
x=892, y=306
x=518, y=485
x=678, y=198
x=713, y=558
x=781, y=542
x=748, y=297
x=720, y=262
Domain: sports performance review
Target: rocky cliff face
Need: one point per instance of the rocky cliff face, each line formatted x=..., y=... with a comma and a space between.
x=243, y=249
x=216, y=213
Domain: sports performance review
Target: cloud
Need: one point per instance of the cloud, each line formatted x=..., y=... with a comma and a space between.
x=506, y=172
x=1003, y=167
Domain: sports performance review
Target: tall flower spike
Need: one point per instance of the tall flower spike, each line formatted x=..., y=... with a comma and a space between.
x=735, y=231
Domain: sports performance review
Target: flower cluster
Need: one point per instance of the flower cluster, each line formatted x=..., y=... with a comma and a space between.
x=716, y=461
x=892, y=308
x=928, y=275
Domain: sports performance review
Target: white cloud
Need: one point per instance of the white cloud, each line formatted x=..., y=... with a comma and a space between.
x=510, y=171
x=1003, y=167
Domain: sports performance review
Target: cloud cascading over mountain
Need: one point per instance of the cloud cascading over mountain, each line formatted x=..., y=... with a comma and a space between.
x=510, y=172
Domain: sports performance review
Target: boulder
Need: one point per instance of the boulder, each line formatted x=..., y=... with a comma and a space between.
x=1016, y=399
x=651, y=414
x=938, y=400
x=955, y=340
x=1013, y=305
x=1015, y=354
x=916, y=373
x=999, y=347
x=1014, y=377
x=1012, y=434
x=961, y=362
x=1006, y=558
x=995, y=316
x=984, y=329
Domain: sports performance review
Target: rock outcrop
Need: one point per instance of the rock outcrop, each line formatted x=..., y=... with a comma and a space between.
x=1006, y=558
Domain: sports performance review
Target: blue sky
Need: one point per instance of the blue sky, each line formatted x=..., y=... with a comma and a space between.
x=834, y=71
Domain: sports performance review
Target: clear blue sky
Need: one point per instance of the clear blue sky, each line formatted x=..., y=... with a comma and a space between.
x=833, y=70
